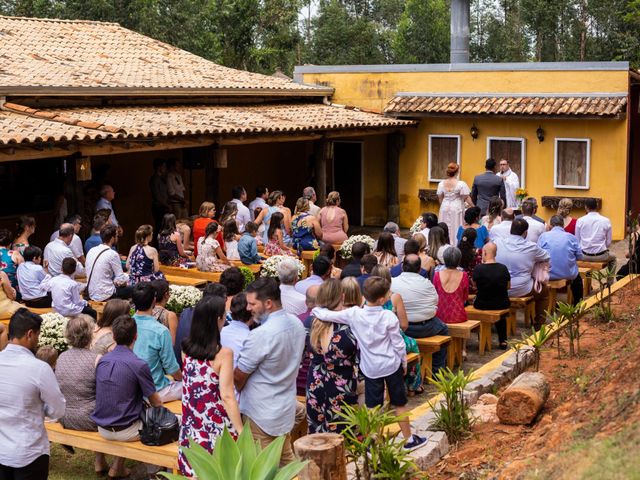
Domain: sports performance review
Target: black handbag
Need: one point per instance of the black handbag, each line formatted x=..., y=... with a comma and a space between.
x=159, y=426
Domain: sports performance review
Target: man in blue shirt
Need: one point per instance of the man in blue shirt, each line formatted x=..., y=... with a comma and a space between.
x=565, y=252
x=154, y=344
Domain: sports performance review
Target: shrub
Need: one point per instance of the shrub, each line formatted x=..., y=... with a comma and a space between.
x=248, y=275
x=453, y=415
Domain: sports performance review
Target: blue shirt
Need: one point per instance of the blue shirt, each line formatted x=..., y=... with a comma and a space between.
x=30, y=277
x=481, y=236
x=93, y=241
x=233, y=336
x=154, y=347
x=248, y=249
x=396, y=270
x=519, y=256
x=565, y=252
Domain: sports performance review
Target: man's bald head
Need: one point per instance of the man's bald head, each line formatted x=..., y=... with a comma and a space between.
x=508, y=214
x=411, y=263
x=310, y=296
x=489, y=252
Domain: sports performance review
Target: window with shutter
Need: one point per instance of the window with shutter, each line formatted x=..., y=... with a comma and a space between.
x=443, y=149
x=572, y=163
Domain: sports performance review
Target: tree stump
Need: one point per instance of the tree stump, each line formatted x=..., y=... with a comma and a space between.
x=523, y=399
x=326, y=454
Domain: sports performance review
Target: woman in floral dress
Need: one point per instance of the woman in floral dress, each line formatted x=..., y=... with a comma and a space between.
x=306, y=227
x=143, y=262
x=276, y=245
x=208, y=397
x=211, y=258
x=333, y=372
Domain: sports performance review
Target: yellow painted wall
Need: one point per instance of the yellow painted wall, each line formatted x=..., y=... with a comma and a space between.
x=375, y=180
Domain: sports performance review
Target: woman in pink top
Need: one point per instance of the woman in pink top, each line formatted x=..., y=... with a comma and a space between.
x=333, y=220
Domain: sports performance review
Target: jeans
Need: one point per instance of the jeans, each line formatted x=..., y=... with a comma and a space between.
x=123, y=293
x=42, y=302
x=430, y=328
x=577, y=289
x=36, y=470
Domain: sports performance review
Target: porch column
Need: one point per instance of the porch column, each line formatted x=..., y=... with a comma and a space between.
x=395, y=144
x=211, y=175
x=323, y=153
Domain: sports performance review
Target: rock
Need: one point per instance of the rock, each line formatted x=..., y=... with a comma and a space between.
x=488, y=399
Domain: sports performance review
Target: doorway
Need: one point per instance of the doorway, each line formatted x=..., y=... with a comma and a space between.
x=347, y=177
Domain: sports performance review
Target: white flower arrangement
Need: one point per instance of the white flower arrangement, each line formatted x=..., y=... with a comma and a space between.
x=270, y=266
x=347, y=245
x=181, y=297
x=52, y=331
x=415, y=228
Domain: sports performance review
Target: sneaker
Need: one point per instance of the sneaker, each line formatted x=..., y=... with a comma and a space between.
x=414, y=443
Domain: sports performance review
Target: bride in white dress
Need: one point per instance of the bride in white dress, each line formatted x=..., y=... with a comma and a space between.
x=454, y=196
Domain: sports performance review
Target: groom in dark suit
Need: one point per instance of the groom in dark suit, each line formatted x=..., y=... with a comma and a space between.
x=487, y=185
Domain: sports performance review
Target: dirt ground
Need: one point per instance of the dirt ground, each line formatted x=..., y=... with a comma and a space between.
x=591, y=417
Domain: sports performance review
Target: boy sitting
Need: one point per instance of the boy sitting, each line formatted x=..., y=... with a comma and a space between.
x=32, y=279
x=65, y=292
x=248, y=245
x=383, y=358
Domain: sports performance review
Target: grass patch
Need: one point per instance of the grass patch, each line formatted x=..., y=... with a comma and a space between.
x=78, y=466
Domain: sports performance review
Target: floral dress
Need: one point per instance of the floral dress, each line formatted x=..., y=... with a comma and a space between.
x=412, y=379
x=303, y=237
x=272, y=248
x=141, y=267
x=332, y=381
x=203, y=414
x=168, y=252
x=207, y=260
x=8, y=266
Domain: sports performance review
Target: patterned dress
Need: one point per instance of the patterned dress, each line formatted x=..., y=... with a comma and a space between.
x=332, y=381
x=272, y=248
x=21, y=246
x=207, y=260
x=303, y=237
x=76, y=374
x=451, y=304
x=203, y=414
x=8, y=266
x=141, y=267
x=168, y=252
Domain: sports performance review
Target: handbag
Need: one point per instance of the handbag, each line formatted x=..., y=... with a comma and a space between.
x=540, y=275
x=159, y=426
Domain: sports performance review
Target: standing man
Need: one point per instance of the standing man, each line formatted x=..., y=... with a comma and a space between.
x=29, y=392
x=176, y=189
x=159, y=193
x=107, y=194
x=593, y=232
x=487, y=185
x=243, y=217
x=310, y=194
x=511, y=183
x=262, y=193
x=268, y=367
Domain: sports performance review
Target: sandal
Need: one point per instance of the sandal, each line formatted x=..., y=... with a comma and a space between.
x=504, y=345
x=417, y=391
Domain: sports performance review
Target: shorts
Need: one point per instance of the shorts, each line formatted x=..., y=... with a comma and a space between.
x=374, y=389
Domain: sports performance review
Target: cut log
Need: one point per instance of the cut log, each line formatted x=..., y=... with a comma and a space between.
x=325, y=452
x=523, y=399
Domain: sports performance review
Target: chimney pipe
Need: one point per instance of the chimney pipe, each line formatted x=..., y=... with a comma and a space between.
x=460, y=14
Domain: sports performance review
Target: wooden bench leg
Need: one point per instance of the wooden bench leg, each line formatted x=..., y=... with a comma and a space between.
x=552, y=299
x=455, y=349
x=485, y=337
x=427, y=365
x=531, y=310
x=451, y=356
x=511, y=323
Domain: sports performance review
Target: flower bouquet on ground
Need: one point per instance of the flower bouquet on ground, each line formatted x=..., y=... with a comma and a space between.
x=415, y=228
x=270, y=266
x=347, y=245
x=52, y=331
x=182, y=297
x=521, y=194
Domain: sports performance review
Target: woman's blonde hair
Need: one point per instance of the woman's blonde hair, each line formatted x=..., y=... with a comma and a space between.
x=564, y=207
x=422, y=241
x=352, y=292
x=333, y=198
x=205, y=208
x=142, y=233
x=302, y=205
x=382, y=272
x=329, y=296
x=274, y=197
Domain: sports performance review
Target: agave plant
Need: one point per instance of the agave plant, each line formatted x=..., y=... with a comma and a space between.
x=239, y=460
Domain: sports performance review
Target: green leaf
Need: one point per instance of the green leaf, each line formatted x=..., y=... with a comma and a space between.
x=226, y=454
x=266, y=464
x=202, y=462
x=248, y=448
x=290, y=471
x=171, y=476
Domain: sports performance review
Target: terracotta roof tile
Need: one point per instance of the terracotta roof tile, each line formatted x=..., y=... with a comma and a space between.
x=75, y=54
x=570, y=105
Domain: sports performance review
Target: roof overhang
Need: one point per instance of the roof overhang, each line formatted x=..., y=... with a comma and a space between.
x=160, y=92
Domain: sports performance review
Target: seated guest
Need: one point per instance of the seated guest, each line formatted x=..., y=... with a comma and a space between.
x=57, y=250
x=103, y=341
x=262, y=193
x=210, y=257
x=564, y=210
x=445, y=229
x=306, y=229
x=48, y=355
x=320, y=271
x=309, y=193
x=429, y=220
x=334, y=220
x=243, y=215
x=327, y=250
x=105, y=278
x=503, y=229
x=301, y=380
x=100, y=219
x=534, y=202
x=236, y=332
x=76, y=375
x=398, y=241
x=170, y=248
x=565, y=252
x=122, y=382
x=9, y=259
x=593, y=232
x=233, y=280
x=471, y=219
x=248, y=245
x=25, y=227
x=333, y=371
x=293, y=301
x=471, y=256
x=205, y=216
x=8, y=305
x=366, y=266
x=275, y=237
x=154, y=344
x=493, y=218
x=76, y=242
x=209, y=403
x=31, y=276
x=65, y=292
x=352, y=293
x=352, y=269
x=29, y=393
x=385, y=250
x=437, y=245
x=426, y=262
x=492, y=283
x=535, y=227
x=143, y=263
x=231, y=236
x=184, y=226
x=421, y=303
x=411, y=247
x=520, y=256
x=166, y=317
x=230, y=212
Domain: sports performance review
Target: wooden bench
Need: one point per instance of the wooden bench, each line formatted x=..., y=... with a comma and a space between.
x=459, y=332
x=486, y=318
x=5, y=318
x=517, y=303
x=191, y=272
x=585, y=268
x=307, y=261
x=554, y=287
x=164, y=456
x=185, y=281
x=254, y=267
x=428, y=346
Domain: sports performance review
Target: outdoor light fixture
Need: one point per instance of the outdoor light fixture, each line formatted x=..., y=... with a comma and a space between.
x=474, y=132
x=83, y=169
x=540, y=134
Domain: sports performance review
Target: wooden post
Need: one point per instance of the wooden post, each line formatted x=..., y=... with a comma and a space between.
x=323, y=153
x=395, y=144
x=325, y=452
x=212, y=175
x=523, y=399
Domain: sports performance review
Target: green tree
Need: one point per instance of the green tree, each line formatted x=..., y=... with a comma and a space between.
x=423, y=32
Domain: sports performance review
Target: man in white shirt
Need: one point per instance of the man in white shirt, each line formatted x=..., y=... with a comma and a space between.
x=76, y=242
x=293, y=302
x=105, y=278
x=310, y=194
x=57, y=250
x=65, y=292
x=107, y=194
x=511, y=182
x=535, y=227
x=593, y=232
x=429, y=220
x=502, y=229
x=243, y=217
x=29, y=392
x=175, y=189
x=262, y=193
